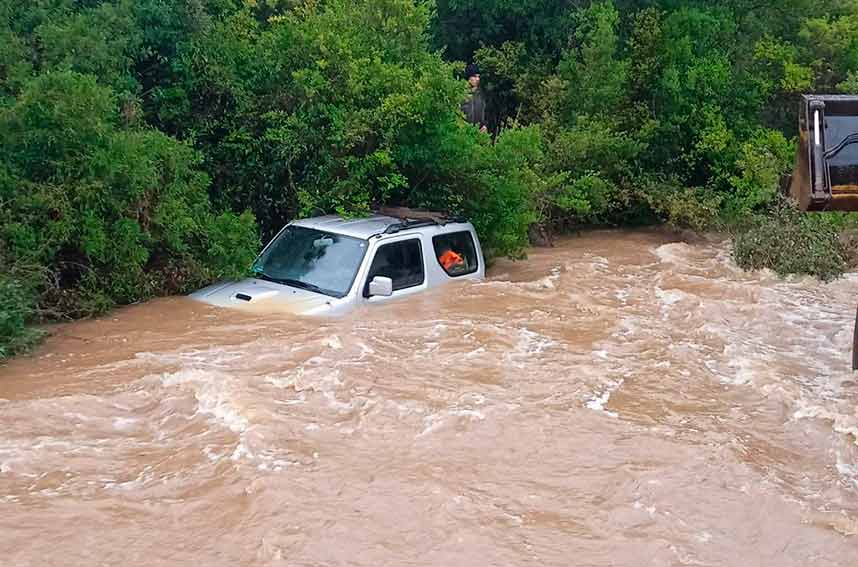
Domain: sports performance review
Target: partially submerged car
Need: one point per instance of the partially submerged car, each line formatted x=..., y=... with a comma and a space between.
x=330, y=265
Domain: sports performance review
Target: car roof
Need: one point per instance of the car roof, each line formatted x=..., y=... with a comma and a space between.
x=362, y=228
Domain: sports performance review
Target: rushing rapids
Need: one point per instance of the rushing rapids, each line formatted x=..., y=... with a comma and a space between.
x=621, y=399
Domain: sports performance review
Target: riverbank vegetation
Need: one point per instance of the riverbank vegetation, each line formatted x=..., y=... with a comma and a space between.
x=147, y=146
x=789, y=242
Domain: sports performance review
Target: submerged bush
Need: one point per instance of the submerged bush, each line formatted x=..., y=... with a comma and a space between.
x=791, y=242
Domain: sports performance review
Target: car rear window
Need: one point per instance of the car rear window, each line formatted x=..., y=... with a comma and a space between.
x=456, y=253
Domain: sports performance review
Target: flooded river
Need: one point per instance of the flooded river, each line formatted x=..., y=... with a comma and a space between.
x=621, y=399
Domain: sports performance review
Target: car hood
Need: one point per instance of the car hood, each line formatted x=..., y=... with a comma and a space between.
x=262, y=296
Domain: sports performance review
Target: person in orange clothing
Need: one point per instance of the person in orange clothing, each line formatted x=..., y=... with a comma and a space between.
x=451, y=260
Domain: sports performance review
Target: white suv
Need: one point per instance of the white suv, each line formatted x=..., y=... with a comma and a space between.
x=330, y=265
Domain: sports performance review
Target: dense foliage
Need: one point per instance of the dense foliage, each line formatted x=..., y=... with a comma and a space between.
x=681, y=109
x=789, y=242
x=147, y=145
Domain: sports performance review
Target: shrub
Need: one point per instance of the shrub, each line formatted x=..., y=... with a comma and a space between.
x=682, y=207
x=791, y=242
x=107, y=211
x=763, y=159
x=16, y=307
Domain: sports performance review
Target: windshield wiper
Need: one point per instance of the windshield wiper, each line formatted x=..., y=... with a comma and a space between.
x=266, y=277
x=304, y=285
x=295, y=283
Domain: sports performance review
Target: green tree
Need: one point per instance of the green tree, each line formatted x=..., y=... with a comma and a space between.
x=105, y=213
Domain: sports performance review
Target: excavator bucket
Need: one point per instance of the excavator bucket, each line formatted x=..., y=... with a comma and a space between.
x=826, y=170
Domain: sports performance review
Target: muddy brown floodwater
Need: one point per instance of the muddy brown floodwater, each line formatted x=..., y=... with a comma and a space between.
x=618, y=400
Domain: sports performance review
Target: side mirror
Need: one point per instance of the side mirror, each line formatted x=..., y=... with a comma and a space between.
x=381, y=286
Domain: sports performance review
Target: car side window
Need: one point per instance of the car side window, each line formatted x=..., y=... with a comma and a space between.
x=456, y=253
x=402, y=262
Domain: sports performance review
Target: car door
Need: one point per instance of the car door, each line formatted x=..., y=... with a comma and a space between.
x=402, y=260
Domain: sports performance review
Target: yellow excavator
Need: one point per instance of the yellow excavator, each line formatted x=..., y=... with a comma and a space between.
x=826, y=169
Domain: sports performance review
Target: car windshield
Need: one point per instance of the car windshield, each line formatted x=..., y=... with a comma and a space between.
x=310, y=259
